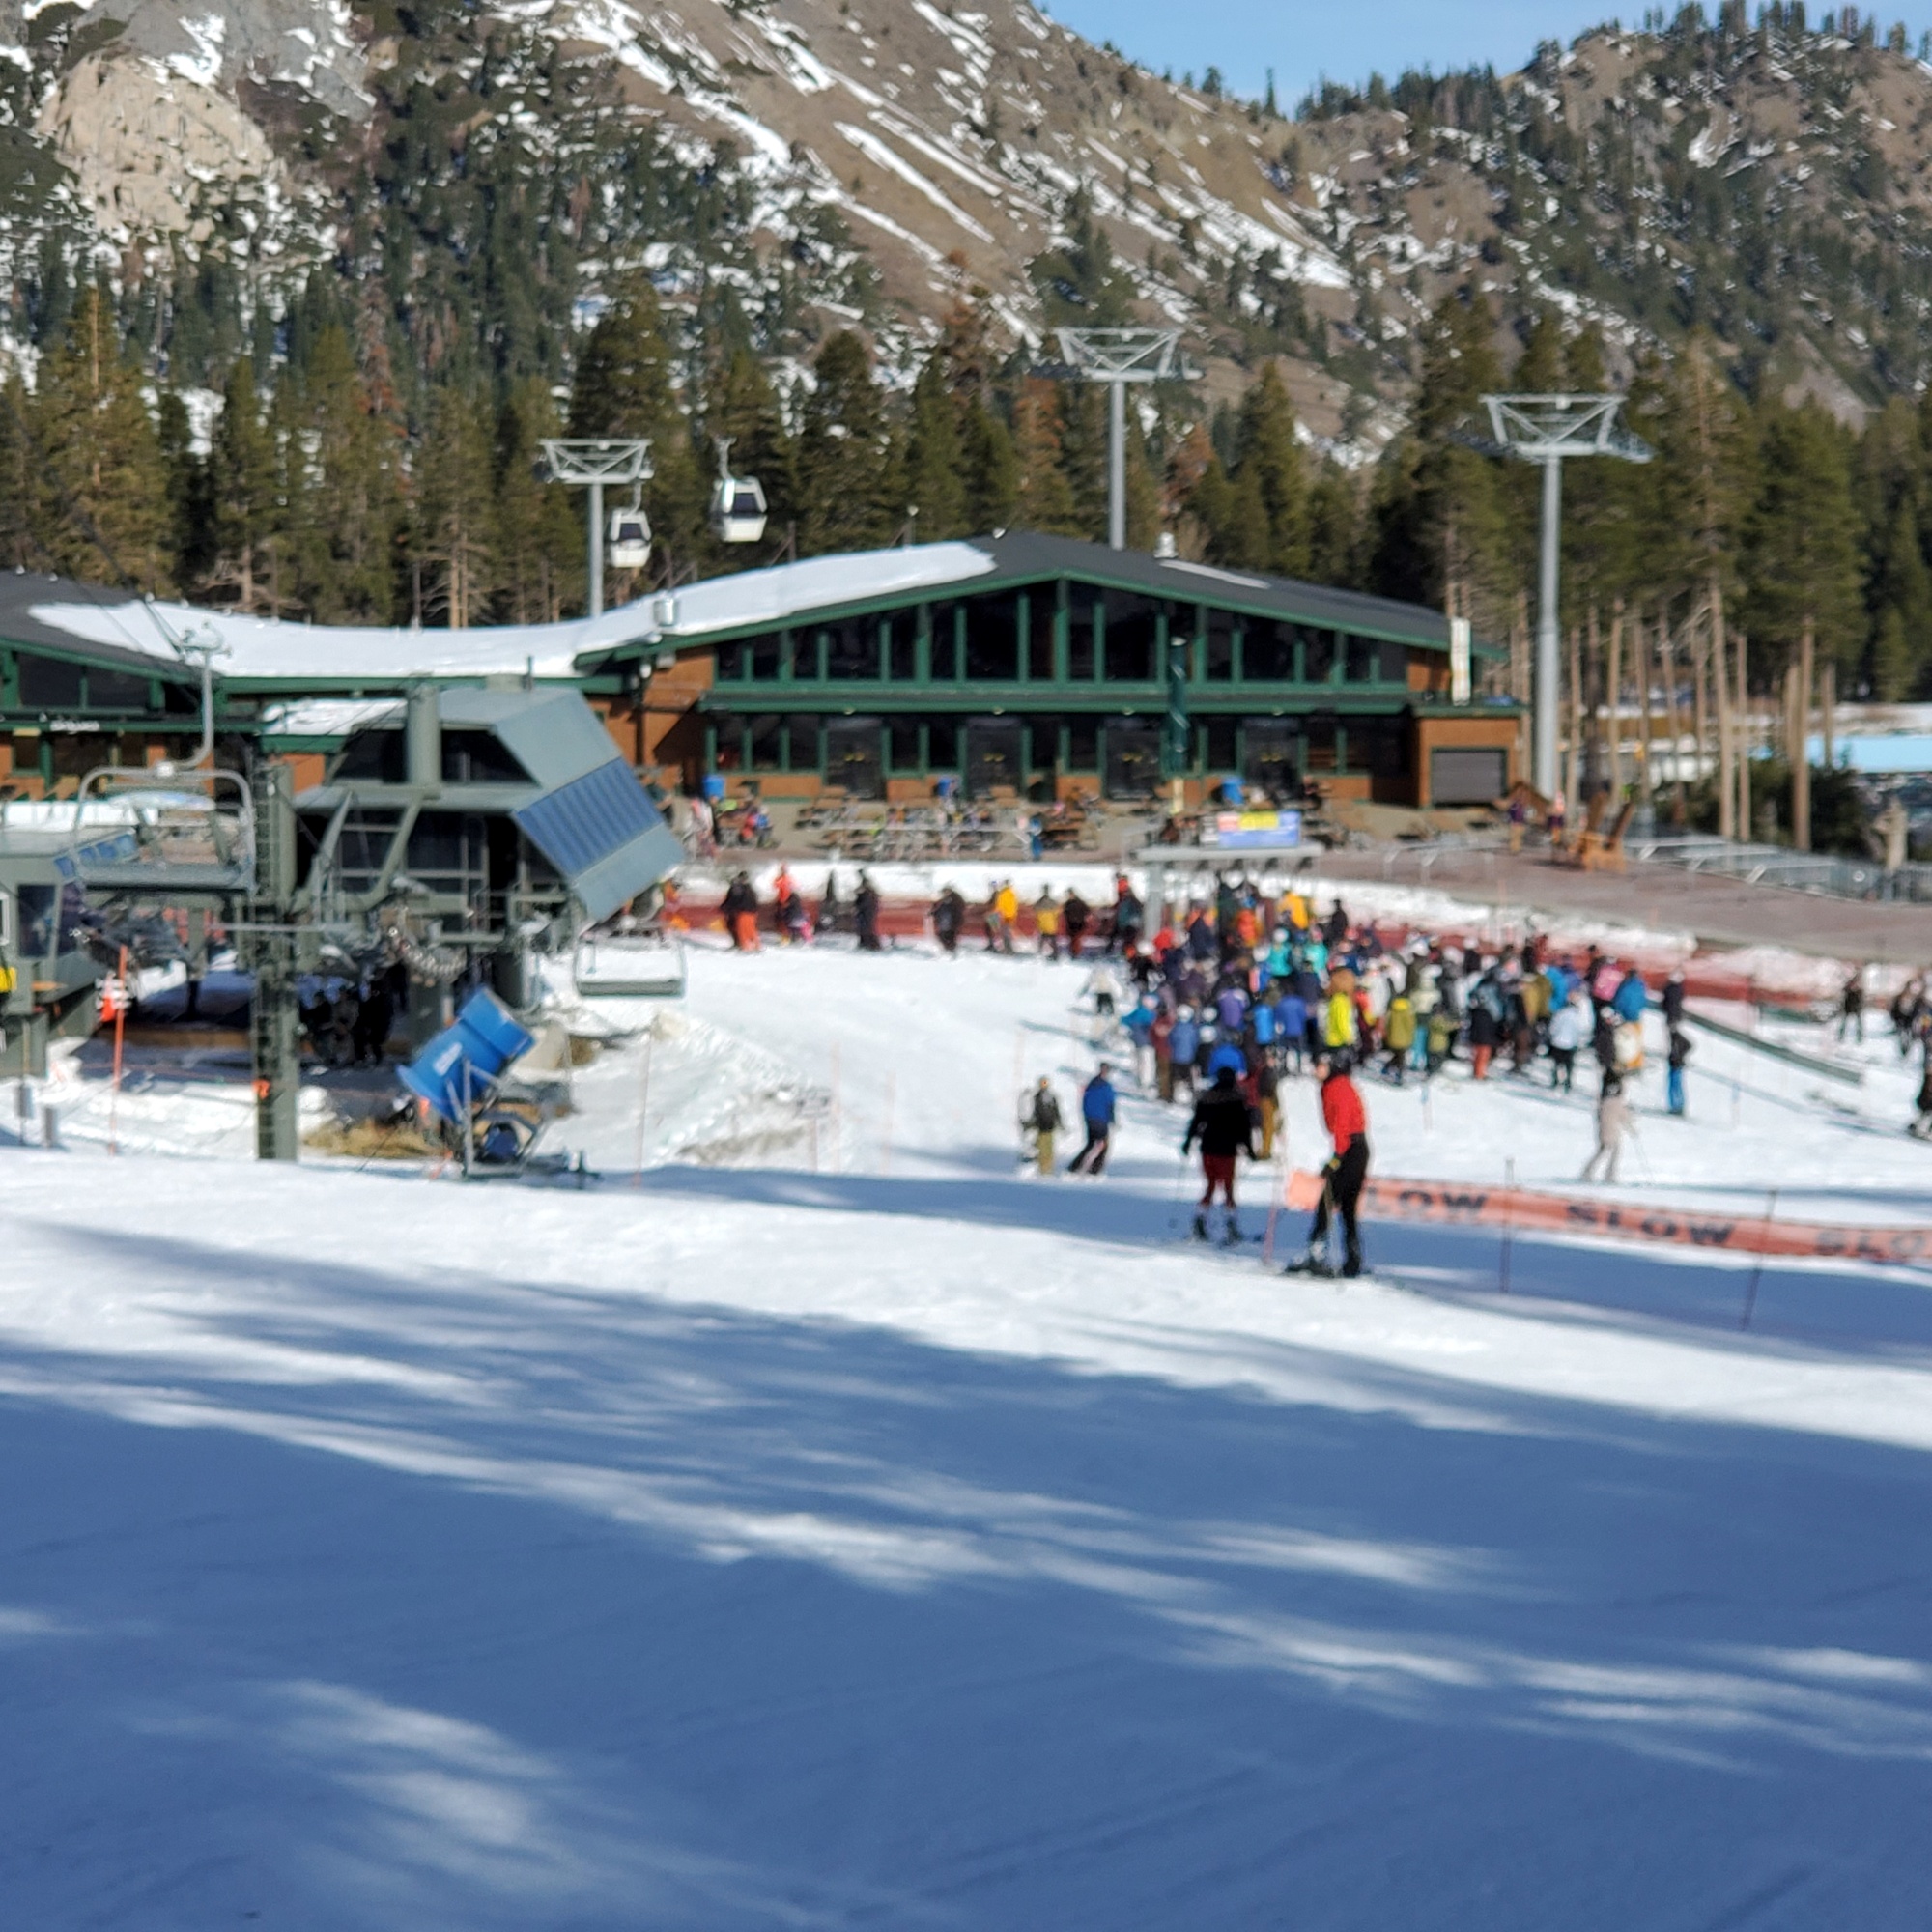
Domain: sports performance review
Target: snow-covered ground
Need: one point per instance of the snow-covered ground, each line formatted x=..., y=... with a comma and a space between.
x=912, y=1542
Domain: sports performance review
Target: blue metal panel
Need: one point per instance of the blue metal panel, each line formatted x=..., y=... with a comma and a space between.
x=589, y=818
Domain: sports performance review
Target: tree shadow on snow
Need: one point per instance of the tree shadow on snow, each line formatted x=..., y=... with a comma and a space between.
x=365, y=1598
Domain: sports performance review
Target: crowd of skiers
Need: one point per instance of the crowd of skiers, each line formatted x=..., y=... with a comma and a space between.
x=1247, y=991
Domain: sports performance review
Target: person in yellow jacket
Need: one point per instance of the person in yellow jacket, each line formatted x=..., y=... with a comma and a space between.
x=1003, y=909
x=1399, y=1034
x=1338, y=1014
x=1047, y=922
x=1295, y=909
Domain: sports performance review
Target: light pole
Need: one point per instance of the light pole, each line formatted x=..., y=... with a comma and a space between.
x=1118, y=357
x=590, y=465
x=1545, y=430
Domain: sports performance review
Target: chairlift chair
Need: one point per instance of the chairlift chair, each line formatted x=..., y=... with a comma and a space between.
x=629, y=546
x=738, y=506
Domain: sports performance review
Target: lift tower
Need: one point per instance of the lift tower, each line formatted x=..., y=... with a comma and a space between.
x=594, y=464
x=1547, y=430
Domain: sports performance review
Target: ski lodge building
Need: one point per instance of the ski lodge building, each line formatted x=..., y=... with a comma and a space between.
x=1019, y=665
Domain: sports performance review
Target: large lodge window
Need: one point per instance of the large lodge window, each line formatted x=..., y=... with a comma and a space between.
x=749, y=744
x=1042, y=617
x=852, y=650
x=993, y=640
x=1219, y=652
x=1377, y=660
x=945, y=646
x=903, y=646
x=1317, y=655
x=1267, y=652
x=1133, y=633
x=49, y=683
x=1084, y=617
x=116, y=691
x=803, y=736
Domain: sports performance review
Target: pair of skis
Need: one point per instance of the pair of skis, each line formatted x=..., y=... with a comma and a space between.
x=1231, y=1235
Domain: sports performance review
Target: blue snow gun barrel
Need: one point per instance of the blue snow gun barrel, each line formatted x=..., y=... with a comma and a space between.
x=486, y=1038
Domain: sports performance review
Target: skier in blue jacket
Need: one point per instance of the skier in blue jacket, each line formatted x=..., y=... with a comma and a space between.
x=1291, y=1024
x=1183, y=1045
x=1098, y=1103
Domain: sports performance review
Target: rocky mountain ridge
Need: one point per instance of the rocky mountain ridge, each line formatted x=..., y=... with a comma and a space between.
x=840, y=161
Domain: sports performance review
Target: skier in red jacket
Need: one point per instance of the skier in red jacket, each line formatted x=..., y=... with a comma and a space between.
x=1343, y=1178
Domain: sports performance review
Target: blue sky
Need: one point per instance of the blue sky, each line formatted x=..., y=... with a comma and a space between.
x=1302, y=39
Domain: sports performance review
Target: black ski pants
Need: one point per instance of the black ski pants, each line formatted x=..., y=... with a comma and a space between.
x=1346, y=1183
x=1092, y=1157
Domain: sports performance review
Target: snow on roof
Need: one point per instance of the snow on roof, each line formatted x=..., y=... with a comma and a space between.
x=258, y=648
x=771, y=596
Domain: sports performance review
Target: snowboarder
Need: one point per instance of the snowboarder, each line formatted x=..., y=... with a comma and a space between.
x=1097, y=1106
x=1346, y=1174
x=1042, y=1122
x=1225, y=1127
x=1613, y=1124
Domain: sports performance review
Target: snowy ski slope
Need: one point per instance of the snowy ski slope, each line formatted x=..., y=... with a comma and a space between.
x=915, y=1544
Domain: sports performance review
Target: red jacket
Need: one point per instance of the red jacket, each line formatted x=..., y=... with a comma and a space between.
x=1342, y=1111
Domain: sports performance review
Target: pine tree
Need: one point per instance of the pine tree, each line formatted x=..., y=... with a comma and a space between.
x=624, y=389
x=1439, y=519
x=935, y=485
x=990, y=468
x=1802, y=539
x=190, y=504
x=1044, y=499
x=1269, y=464
x=1334, y=529
x=245, y=507
x=541, y=557
x=1085, y=454
x=19, y=545
x=1082, y=284
x=454, y=534
x=850, y=473
x=340, y=473
x=102, y=513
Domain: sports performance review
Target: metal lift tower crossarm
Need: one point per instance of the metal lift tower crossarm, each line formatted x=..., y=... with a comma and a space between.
x=1116, y=357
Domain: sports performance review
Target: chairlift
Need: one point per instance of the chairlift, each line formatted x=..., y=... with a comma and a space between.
x=630, y=535
x=738, y=506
